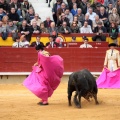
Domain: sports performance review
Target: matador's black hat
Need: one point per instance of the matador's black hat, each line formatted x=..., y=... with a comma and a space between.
x=112, y=44
x=39, y=47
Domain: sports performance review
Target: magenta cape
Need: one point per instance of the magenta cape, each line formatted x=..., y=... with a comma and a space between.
x=109, y=79
x=43, y=83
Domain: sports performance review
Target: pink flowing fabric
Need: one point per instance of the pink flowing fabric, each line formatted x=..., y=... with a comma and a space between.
x=42, y=82
x=109, y=79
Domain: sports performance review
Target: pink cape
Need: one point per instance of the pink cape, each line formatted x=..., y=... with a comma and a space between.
x=42, y=82
x=109, y=79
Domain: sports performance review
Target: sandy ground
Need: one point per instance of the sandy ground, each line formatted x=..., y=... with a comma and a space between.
x=17, y=103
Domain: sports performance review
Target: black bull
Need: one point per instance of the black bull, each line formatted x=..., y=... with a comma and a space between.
x=84, y=83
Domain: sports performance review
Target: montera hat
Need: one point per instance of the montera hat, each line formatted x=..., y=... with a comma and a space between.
x=85, y=38
x=39, y=47
x=112, y=44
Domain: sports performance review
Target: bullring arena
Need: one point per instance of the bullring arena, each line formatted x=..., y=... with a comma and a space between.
x=18, y=103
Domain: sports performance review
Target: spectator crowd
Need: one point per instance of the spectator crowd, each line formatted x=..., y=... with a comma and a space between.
x=69, y=16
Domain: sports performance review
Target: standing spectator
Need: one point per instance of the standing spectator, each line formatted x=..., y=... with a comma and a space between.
x=86, y=28
x=2, y=13
x=64, y=29
x=74, y=10
x=68, y=15
x=80, y=16
x=84, y=6
x=35, y=29
x=37, y=19
x=30, y=15
x=52, y=43
x=85, y=44
x=12, y=29
x=13, y=16
x=24, y=41
x=114, y=17
x=74, y=28
x=56, y=6
x=62, y=19
x=43, y=28
x=25, y=29
x=61, y=9
x=47, y=22
x=17, y=43
x=53, y=30
x=112, y=58
x=99, y=30
x=37, y=42
x=91, y=14
x=103, y=15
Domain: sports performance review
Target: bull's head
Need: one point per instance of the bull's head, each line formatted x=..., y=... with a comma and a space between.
x=88, y=96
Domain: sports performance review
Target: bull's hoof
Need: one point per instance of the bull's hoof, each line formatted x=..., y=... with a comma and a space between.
x=78, y=106
x=70, y=105
x=97, y=103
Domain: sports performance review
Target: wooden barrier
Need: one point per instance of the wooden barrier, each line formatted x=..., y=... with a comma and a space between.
x=22, y=59
x=66, y=38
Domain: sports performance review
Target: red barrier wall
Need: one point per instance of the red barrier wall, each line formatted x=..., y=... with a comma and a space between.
x=22, y=59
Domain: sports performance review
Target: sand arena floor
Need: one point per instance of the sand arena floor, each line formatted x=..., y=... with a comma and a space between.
x=17, y=103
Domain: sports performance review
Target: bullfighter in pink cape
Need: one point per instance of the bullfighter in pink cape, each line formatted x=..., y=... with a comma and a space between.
x=110, y=77
x=46, y=75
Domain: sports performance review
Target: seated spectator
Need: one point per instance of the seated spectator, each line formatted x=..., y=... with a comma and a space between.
x=71, y=2
x=103, y=15
x=80, y=16
x=88, y=6
x=25, y=29
x=62, y=19
x=25, y=7
x=85, y=44
x=88, y=20
x=52, y=43
x=99, y=30
x=12, y=29
x=109, y=8
x=37, y=19
x=53, y=30
x=117, y=6
x=37, y=42
x=17, y=43
x=83, y=6
x=86, y=28
x=75, y=19
x=95, y=4
x=2, y=13
x=68, y=15
x=64, y=29
x=5, y=20
x=113, y=32
x=24, y=41
x=43, y=29
x=74, y=28
x=91, y=14
x=4, y=5
x=106, y=2
x=95, y=22
x=97, y=10
x=30, y=15
x=35, y=28
x=13, y=16
x=114, y=17
x=61, y=10
x=59, y=42
x=47, y=22
x=74, y=10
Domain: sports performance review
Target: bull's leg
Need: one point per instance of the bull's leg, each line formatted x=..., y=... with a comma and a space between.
x=79, y=99
x=95, y=98
x=69, y=97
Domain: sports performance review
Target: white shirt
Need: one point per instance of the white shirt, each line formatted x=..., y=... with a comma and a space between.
x=91, y=16
x=25, y=44
x=17, y=45
x=86, y=29
x=86, y=46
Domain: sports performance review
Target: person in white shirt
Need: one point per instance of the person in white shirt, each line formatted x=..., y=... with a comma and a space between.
x=26, y=44
x=85, y=44
x=86, y=28
x=91, y=14
x=18, y=43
